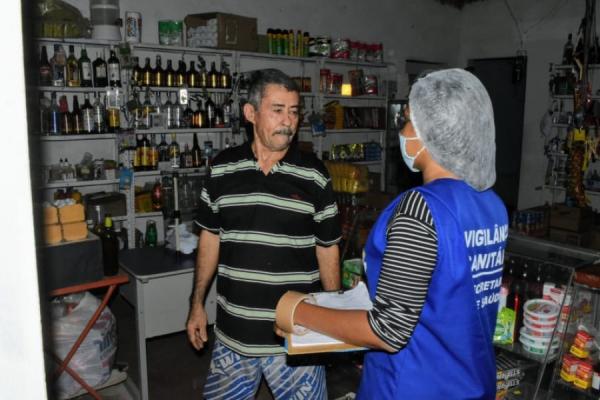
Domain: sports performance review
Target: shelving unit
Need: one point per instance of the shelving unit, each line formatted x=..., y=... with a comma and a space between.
x=106, y=145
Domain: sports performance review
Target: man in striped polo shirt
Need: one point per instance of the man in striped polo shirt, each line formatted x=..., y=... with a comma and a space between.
x=270, y=224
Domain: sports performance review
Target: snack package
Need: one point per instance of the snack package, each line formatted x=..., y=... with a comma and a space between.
x=505, y=326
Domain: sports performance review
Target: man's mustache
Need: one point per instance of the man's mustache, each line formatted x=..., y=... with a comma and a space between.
x=285, y=131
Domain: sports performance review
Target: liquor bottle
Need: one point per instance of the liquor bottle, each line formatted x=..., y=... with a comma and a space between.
x=110, y=248
x=213, y=76
x=114, y=119
x=196, y=153
x=159, y=73
x=181, y=74
x=76, y=117
x=168, y=112
x=188, y=162
x=177, y=113
x=66, y=124
x=136, y=72
x=210, y=112
x=85, y=69
x=157, y=196
x=305, y=40
x=100, y=72
x=227, y=108
x=137, y=159
x=147, y=78
x=87, y=115
x=567, y=57
x=45, y=78
x=54, y=116
x=203, y=83
x=299, y=44
x=144, y=154
x=187, y=115
x=98, y=228
x=174, y=152
x=157, y=115
x=44, y=114
x=99, y=115
x=193, y=76
x=147, y=111
x=58, y=62
x=153, y=153
x=225, y=81
x=114, y=69
x=163, y=149
x=169, y=75
x=199, y=118
x=72, y=69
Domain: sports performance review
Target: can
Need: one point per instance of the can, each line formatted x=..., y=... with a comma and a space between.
x=133, y=27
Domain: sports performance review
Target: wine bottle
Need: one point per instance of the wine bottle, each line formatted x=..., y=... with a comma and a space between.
x=76, y=117
x=66, y=124
x=87, y=114
x=99, y=70
x=159, y=73
x=58, y=62
x=174, y=152
x=196, y=153
x=85, y=69
x=114, y=69
x=181, y=74
x=193, y=77
x=169, y=75
x=147, y=78
x=110, y=248
x=54, y=116
x=45, y=78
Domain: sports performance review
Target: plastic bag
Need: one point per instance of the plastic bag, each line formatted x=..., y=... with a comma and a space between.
x=94, y=359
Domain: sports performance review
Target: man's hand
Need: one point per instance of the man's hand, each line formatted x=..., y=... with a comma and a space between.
x=196, y=326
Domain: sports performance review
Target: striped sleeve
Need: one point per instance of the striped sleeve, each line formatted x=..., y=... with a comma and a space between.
x=408, y=263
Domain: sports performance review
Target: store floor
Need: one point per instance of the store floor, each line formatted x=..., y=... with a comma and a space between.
x=177, y=371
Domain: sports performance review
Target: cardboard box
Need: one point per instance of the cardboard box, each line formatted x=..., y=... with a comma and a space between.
x=581, y=239
x=571, y=218
x=233, y=31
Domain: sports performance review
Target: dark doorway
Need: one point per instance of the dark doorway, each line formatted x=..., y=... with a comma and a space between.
x=504, y=79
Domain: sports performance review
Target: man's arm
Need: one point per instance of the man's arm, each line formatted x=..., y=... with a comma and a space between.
x=329, y=266
x=206, y=264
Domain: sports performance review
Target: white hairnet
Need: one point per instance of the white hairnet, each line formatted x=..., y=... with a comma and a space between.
x=452, y=114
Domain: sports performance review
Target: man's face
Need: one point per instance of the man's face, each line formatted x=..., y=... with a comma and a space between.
x=276, y=120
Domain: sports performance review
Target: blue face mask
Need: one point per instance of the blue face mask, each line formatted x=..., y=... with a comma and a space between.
x=409, y=160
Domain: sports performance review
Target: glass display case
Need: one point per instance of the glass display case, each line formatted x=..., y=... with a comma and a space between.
x=539, y=287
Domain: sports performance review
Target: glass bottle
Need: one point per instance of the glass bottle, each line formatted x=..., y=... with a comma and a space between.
x=187, y=115
x=189, y=162
x=147, y=111
x=136, y=72
x=99, y=115
x=177, y=113
x=181, y=74
x=153, y=153
x=157, y=115
x=137, y=159
x=157, y=196
x=100, y=72
x=168, y=112
x=170, y=75
x=44, y=114
x=114, y=69
x=151, y=236
x=87, y=115
x=227, y=112
x=163, y=148
x=174, y=152
x=147, y=74
x=196, y=153
x=199, y=119
x=45, y=77
x=159, y=73
x=210, y=112
x=193, y=77
x=54, y=116
x=66, y=124
x=203, y=75
x=98, y=228
x=114, y=119
x=225, y=76
x=145, y=154
x=58, y=62
x=76, y=117
x=85, y=69
x=213, y=76
x=110, y=248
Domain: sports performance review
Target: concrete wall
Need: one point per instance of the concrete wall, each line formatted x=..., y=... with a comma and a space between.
x=487, y=31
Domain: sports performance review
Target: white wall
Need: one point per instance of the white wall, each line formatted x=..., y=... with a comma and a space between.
x=488, y=31
x=420, y=29
x=21, y=357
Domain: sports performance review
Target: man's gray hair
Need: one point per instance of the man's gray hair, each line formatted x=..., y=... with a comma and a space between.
x=261, y=78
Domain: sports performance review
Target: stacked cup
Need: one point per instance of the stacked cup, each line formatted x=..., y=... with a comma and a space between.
x=539, y=321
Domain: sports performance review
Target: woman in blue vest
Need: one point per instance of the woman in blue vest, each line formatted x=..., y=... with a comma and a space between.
x=434, y=257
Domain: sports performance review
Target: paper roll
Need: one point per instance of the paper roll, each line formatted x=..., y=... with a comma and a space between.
x=284, y=312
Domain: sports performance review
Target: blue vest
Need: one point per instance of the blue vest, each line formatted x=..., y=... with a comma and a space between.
x=450, y=354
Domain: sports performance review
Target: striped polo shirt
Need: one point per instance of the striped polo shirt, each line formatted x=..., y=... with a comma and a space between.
x=268, y=226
